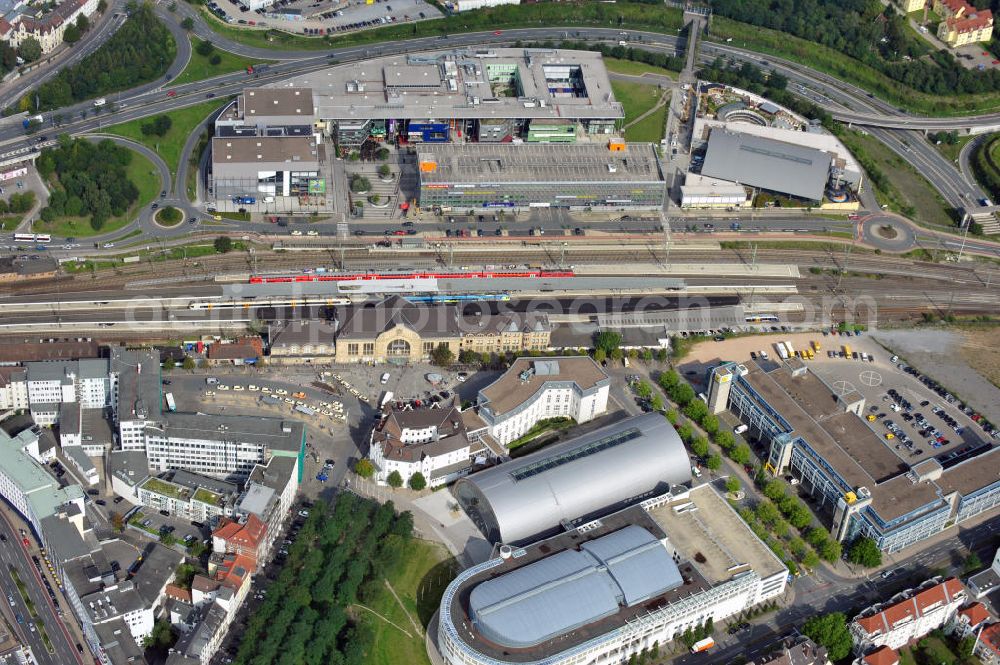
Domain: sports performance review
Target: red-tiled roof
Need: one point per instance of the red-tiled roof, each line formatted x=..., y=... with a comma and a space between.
x=178, y=593
x=234, y=570
x=975, y=614
x=991, y=637
x=244, y=347
x=911, y=608
x=227, y=529
x=882, y=656
x=977, y=20
x=252, y=532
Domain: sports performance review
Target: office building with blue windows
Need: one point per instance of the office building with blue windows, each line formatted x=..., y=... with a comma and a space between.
x=863, y=486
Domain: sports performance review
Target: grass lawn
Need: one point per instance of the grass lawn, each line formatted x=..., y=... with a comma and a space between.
x=908, y=193
x=419, y=581
x=839, y=65
x=621, y=15
x=200, y=67
x=9, y=222
x=951, y=150
x=142, y=172
x=650, y=129
x=637, y=98
x=169, y=146
x=634, y=68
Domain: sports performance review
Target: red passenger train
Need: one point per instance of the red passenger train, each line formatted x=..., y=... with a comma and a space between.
x=350, y=277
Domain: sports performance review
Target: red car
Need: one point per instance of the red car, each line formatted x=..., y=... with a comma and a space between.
x=498, y=32
x=399, y=233
x=172, y=93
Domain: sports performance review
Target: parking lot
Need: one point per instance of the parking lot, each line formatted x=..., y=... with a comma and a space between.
x=326, y=17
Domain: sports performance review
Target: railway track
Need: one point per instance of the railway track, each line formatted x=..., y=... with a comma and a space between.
x=978, y=275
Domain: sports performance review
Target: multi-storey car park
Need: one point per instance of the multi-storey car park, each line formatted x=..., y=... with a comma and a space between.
x=867, y=489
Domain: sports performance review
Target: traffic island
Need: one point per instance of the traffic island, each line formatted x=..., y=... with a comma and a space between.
x=168, y=217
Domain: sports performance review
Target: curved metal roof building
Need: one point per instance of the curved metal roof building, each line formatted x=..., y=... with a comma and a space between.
x=596, y=473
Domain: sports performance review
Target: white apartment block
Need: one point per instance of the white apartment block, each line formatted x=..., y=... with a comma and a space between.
x=220, y=446
x=924, y=609
x=535, y=389
x=13, y=389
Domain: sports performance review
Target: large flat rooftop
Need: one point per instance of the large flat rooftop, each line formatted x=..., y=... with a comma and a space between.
x=538, y=163
x=706, y=531
x=845, y=441
x=494, y=83
x=693, y=583
x=300, y=150
x=526, y=376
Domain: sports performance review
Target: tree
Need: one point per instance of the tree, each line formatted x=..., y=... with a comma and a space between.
x=442, y=355
x=830, y=630
x=223, y=244
x=417, y=481
x=831, y=550
x=864, y=552
x=696, y=410
x=215, y=60
x=672, y=416
x=669, y=380
x=364, y=468
x=774, y=489
x=810, y=559
x=740, y=454
x=700, y=446
x=395, y=480
x=117, y=521
x=204, y=48
x=714, y=462
x=709, y=423
x=647, y=356
x=169, y=364
x=725, y=439
x=189, y=363
x=188, y=23
x=643, y=390
x=972, y=562
x=661, y=356
x=384, y=171
x=71, y=34
x=732, y=484
x=656, y=403
x=683, y=394
x=609, y=340
x=360, y=184
x=30, y=50
x=82, y=23
x=600, y=355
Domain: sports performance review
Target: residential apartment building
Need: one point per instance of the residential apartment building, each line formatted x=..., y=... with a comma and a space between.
x=986, y=581
x=188, y=495
x=247, y=538
x=13, y=389
x=820, y=438
x=909, y=6
x=988, y=646
x=926, y=608
x=962, y=23
x=47, y=28
x=533, y=389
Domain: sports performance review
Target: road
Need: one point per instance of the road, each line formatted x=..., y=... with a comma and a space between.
x=14, y=555
x=152, y=98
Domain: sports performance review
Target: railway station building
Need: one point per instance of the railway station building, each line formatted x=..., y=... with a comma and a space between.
x=865, y=488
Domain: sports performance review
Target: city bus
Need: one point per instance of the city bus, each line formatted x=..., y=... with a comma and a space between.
x=32, y=237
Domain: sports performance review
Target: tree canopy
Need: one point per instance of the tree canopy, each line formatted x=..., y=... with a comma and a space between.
x=139, y=52
x=864, y=552
x=92, y=180
x=830, y=630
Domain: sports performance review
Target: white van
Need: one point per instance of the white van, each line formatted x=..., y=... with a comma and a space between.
x=385, y=378
x=211, y=380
